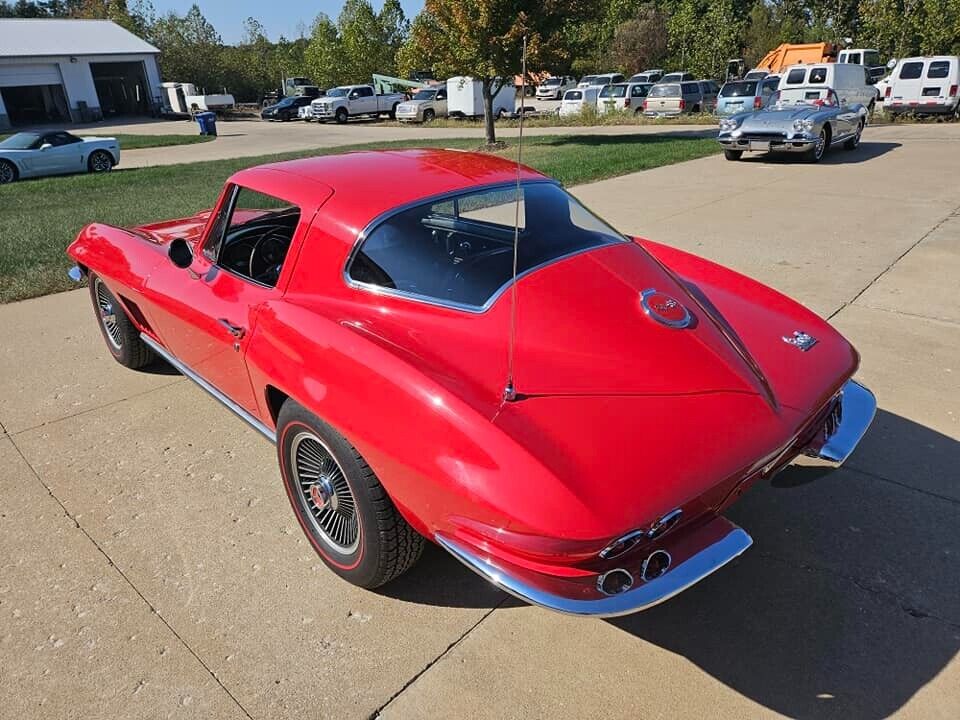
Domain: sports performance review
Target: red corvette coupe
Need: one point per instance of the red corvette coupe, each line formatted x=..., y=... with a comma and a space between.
x=572, y=435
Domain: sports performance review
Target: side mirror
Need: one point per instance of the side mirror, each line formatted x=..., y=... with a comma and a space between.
x=180, y=253
x=891, y=63
x=46, y=146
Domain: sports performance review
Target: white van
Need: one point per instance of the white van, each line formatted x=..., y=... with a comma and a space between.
x=574, y=101
x=924, y=85
x=465, y=98
x=852, y=83
x=868, y=57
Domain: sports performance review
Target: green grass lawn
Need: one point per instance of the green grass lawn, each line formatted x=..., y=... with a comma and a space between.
x=135, y=142
x=39, y=218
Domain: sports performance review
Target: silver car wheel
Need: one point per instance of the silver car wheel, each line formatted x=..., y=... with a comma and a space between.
x=108, y=314
x=325, y=493
x=100, y=162
x=821, y=144
x=7, y=173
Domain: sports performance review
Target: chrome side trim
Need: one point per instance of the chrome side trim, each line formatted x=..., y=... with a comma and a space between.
x=216, y=394
x=857, y=408
x=637, y=598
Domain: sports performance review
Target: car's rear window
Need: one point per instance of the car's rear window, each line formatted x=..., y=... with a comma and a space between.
x=458, y=251
x=664, y=91
x=690, y=88
x=818, y=75
x=739, y=89
x=796, y=76
x=573, y=95
x=911, y=70
x=613, y=91
x=938, y=69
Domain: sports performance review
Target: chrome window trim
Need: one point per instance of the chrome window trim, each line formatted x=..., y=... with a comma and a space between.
x=451, y=304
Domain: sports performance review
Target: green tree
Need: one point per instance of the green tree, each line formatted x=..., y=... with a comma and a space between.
x=190, y=49
x=322, y=57
x=640, y=42
x=483, y=39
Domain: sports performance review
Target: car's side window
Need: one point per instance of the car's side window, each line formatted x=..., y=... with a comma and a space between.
x=796, y=76
x=818, y=75
x=938, y=69
x=252, y=234
x=365, y=92
x=441, y=94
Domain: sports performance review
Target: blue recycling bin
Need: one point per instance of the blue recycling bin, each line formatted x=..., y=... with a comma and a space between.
x=207, y=122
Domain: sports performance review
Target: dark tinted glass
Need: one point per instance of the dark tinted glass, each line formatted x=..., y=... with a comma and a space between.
x=747, y=88
x=911, y=70
x=938, y=69
x=818, y=75
x=796, y=76
x=459, y=250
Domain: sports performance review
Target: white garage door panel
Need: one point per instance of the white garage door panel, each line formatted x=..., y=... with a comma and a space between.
x=13, y=75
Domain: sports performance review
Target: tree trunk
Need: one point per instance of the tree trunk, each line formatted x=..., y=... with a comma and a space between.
x=487, y=88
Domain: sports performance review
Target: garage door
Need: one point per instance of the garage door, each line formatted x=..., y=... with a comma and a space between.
x=20, y=75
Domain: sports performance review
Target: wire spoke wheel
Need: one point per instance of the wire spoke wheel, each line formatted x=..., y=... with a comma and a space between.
x=821, y=144
x=324, y=493
x=106, y=306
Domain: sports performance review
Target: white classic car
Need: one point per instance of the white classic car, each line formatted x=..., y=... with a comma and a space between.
x=57, y=152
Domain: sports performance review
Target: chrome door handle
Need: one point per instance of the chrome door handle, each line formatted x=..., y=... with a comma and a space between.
x=235, y=330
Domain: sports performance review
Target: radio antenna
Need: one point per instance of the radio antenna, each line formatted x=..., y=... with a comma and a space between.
x=510, y=390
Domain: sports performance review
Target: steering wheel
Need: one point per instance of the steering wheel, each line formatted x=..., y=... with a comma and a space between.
x=456, y=273
x=267, y=255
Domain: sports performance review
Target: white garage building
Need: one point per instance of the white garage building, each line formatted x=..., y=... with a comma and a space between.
x=57, y=71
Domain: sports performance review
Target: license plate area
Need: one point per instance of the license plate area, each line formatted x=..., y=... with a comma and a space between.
x=760, y=145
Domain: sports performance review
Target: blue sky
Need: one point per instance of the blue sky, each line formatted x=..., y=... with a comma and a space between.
x=279, y=17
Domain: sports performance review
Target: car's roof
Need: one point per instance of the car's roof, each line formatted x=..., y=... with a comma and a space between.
x=368, y=183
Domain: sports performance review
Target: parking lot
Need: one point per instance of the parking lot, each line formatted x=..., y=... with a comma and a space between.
x=150, y=565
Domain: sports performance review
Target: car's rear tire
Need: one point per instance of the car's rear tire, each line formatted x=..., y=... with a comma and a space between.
x=100, y=161
x=8, y=172
x=119, y=332
x=733, y=154
x=393, y=111
x=428, y=115
x=816, y=153
x=854, y=142
x=340, y=504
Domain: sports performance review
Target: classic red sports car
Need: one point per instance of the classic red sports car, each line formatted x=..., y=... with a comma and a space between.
x=573, y=436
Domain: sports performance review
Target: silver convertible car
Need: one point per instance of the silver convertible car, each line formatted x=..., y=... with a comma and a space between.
x=806, y=120
x=56, y=152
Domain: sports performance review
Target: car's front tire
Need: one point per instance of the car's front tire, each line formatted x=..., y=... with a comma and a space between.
x=119, y=332
x=733, y=154
x=816, y=153
x=341, y=115
x=340, y=504
x=8, y=172
x=428, y=115
x=100, y=161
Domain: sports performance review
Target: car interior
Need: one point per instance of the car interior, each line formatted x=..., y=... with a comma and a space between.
x=256, y=242
x=461, y=251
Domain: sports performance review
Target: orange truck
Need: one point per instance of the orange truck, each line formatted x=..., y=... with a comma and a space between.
x=788, y=54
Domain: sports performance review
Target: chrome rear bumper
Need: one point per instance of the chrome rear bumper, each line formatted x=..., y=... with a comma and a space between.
x=847, y=424
x=695, y=553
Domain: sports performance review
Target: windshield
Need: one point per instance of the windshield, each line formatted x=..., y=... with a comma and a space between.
x=20, y=141
x=551, y=81
x=338, y=92
x=425, y=95
x=793, y=97
x=739, y=89
x=573, y=95
x=588, y=79
x=459, y=251
x=665, y=91
x=617, y=91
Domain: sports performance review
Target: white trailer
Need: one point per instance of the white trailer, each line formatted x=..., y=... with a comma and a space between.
x=465, y=98
x=182, y=98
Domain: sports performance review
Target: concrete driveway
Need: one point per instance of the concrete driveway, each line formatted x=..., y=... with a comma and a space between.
x=150, y=565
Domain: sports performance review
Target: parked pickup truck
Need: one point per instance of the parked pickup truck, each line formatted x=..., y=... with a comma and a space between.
x=343, y=103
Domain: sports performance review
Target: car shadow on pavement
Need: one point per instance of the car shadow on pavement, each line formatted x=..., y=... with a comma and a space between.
x=848, y=603
x=836, y=155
